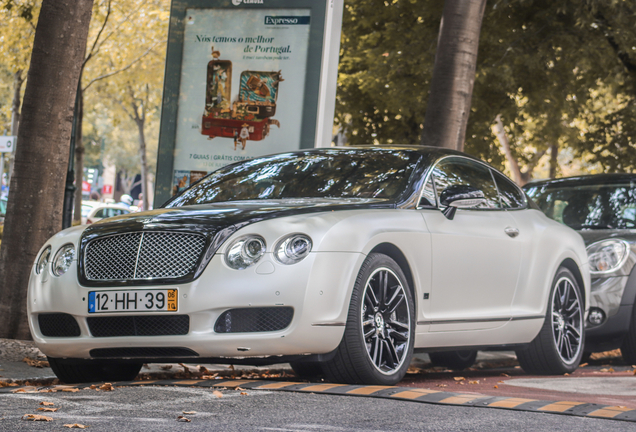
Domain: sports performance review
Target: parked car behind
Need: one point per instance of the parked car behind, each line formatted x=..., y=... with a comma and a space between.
x=93, y=211
x=341, y=261
x=602, y=208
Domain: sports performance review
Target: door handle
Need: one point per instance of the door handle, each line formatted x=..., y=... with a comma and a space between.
x=512, y=232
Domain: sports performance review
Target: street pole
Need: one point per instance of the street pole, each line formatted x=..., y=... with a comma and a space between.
x=69, y=190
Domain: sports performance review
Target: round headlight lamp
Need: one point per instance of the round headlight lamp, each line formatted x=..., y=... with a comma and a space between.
x=607, y=256
x=63, y=259
x=245, y=251
x=293, y=249
x=43, y=261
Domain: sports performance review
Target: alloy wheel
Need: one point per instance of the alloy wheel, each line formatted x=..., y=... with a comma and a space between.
x=386, y=321
x=567, y=320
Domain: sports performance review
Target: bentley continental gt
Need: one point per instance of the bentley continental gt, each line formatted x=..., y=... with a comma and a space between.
x=340, y=261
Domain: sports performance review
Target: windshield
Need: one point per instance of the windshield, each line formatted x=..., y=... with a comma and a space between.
x=608, y=206
x=330, y=174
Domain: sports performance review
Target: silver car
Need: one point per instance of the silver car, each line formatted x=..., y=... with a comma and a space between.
x=602, y=208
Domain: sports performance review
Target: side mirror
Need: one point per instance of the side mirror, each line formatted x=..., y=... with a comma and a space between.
x=460, y=196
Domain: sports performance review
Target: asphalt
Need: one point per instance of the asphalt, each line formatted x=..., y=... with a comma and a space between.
x=494, y=375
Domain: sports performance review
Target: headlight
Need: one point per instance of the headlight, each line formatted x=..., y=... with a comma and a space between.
x=63, y=259
x=607, y=256
x=293, y=249
x=43, y=261
x=245, y=251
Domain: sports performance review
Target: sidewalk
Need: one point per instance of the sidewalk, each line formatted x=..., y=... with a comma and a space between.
x=22, y=362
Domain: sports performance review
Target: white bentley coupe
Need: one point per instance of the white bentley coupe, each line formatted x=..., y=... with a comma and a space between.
x=340, y=261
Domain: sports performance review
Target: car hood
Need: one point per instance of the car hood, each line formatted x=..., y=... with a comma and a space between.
x=592, y=236
x=208, y=218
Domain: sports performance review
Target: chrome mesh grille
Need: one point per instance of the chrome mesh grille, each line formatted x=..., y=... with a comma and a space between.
x=148, y=255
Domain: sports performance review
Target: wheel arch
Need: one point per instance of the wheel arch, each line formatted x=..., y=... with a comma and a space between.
x=569, y=264
x=392, y=251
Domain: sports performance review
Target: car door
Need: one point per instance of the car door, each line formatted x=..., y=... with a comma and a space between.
x=475, y=257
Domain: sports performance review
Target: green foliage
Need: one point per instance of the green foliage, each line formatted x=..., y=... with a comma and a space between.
x=540, y=64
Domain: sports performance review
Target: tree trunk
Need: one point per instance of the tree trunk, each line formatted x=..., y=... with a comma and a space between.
x=505, y=144
x=34, y=210
x=18, y=80
x=79, y=157
x=144, y=162
x=554, y=163
x=453, y=74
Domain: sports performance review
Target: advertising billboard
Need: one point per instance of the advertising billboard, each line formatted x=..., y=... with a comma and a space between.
x=245, y=78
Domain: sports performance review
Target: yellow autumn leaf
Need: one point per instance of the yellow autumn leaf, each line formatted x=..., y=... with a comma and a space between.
x=36, y=417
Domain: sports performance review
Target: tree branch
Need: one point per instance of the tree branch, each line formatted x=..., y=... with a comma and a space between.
x=99, y=34
x=125, y=68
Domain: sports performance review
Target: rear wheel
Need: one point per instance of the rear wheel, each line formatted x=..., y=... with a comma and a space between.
x=71, y=372
x=377, y=345
x=558, y=347
x=455, y=360
x=628, y=348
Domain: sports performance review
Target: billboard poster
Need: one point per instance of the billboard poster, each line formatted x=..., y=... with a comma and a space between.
x=242, y=87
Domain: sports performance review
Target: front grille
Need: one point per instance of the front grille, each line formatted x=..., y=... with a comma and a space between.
x=159, y=352
x=252, y=320
x=138, y=256
x=58, y=325
x=139, y=325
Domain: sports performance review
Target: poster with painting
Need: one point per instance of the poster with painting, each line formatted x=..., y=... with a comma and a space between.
x=242, y=86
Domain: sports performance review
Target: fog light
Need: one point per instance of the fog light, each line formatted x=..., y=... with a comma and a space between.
x=596, y=316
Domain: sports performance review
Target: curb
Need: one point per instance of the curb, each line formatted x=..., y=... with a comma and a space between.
x=578, y=409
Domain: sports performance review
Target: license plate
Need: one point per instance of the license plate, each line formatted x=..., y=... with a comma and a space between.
x=155, y=300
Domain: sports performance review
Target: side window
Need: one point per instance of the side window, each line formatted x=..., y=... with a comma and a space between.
x=511, y=196
x=99, y=214
x=465, y=172
x=428, y=194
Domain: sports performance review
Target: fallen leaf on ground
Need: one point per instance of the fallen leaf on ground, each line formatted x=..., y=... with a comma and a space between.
x=504, y=375
x=243, y=393
x=93, y=387
x=204, y=370
x=473, y=382
x=496, y=387
x=107, y=387
x=36, y=417
x=459, y=378
x=47, y=403
x=166, y=367
x=442, y=385
x=75, y=426
x=45, y=409
x=183, y=419
x=189, y=412
x=566, y=374
x=21, y=390
x=70, y=390
x=217, y=393
x=35, y=363
x=583, y=365
x=185, y=368
x=500, y=382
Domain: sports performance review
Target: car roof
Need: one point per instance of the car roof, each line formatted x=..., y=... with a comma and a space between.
x=585, y=180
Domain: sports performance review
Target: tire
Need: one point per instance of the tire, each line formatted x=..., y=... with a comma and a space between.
x=377, y=345
x=558, y=348
x=455, y=360
x=75, y=373
x=628, y=347
x=308, y=370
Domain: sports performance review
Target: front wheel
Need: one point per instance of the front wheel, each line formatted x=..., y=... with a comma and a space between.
x=377, y=345
x=558, y=347
x=71, y=372
x=628, y=347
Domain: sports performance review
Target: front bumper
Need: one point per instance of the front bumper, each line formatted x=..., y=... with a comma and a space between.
x=612, y=295
x=318, y=289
